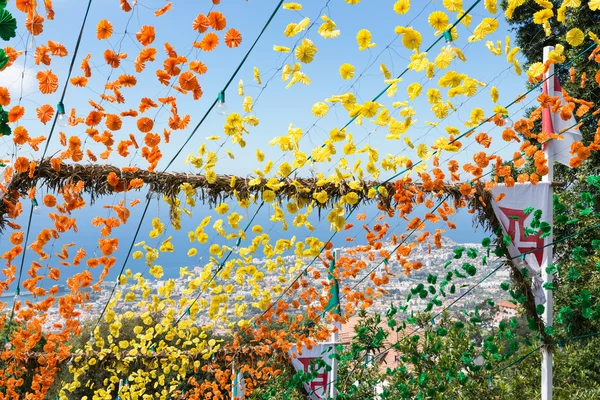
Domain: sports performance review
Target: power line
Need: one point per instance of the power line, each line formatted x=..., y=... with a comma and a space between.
x=182, y=147
x=30, y=217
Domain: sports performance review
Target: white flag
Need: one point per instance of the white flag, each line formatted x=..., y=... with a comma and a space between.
x=238, y=386
x=319, y=387
x=560, y=150
x=510, y=212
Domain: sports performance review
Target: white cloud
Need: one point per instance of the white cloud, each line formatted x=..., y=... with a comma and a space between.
x=12, y=78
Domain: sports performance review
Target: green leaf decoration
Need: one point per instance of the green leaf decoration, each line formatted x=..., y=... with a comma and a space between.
x=4, y=128
x=551, y=269
x=8, y=25
x=550, y=331
x=3, y=4
x=540, y=309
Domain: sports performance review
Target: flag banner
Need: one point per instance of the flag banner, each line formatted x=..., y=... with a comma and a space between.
x=238, y=387
x=510, y=211
x=559, y=150
x=318, y=388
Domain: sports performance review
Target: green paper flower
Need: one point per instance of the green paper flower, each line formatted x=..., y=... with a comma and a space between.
x=8, y=24
x=3, y=58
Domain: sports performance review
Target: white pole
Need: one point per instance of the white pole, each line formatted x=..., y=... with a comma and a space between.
x=547, y=316
x=334, y=362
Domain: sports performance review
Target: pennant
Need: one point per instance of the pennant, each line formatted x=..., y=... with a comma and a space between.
x=334, y=290
x=559, y=150
x=510, y=212
x=305, y=361
x=238, y=386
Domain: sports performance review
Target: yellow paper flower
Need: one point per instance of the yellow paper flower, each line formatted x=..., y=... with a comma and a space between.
x=453, y=5
x=268, y=196
x=536, y=70
x=434, y=96
x=490, y=6
x=281, y=49
x=594, y=5
x=347, y=71
x=385, y=71
x=542, y=16
x=494, y=94
x=247, y=104
x=369, y=109
x=477, y=115
x=443, y=60
x=305, y=53
x=402, y=6
x=363, y=38
x=438, y=20
x=321, y=196
x=292, y=6
x=320, y=109
x=327, y=28
x=222, y=208
x=411, y=39
x=351, y=198
x=486, y=27
x=575, y=37
x=257, y=75
x=414, y=90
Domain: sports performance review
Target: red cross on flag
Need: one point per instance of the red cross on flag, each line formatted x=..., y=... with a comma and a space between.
x=510, y=212
x=560, y=150
x=318, y=388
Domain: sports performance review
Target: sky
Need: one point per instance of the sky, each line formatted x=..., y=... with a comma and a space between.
x=275, y=106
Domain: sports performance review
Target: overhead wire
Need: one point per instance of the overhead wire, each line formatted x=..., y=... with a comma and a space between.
x=30, y=216
x=352, y=120
x=211, y=107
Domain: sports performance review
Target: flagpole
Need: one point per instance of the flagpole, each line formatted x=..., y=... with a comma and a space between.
x=547, y=278
x=334, y=337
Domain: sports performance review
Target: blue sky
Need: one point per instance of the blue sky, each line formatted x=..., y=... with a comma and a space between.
x=276, y=107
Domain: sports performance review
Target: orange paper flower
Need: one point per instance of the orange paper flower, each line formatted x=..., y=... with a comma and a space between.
x=26, y=6
x=85, y=66
x=4, y=96
x=145, y=124
x=113, y=122
x=21, y=164
x=57, y=49
x=79, y=81
x=16, y=113
x=188, y=80
x=209, y=42
x=198, y=67
x=45, y=113
x=163, y=10
x=217, y=20
x=127, y=80
x=20, y=135
x=201, y=23
x=47, y=81
x=34, y=24
x=233, y=38
x=104, y=30
x=146, y=35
